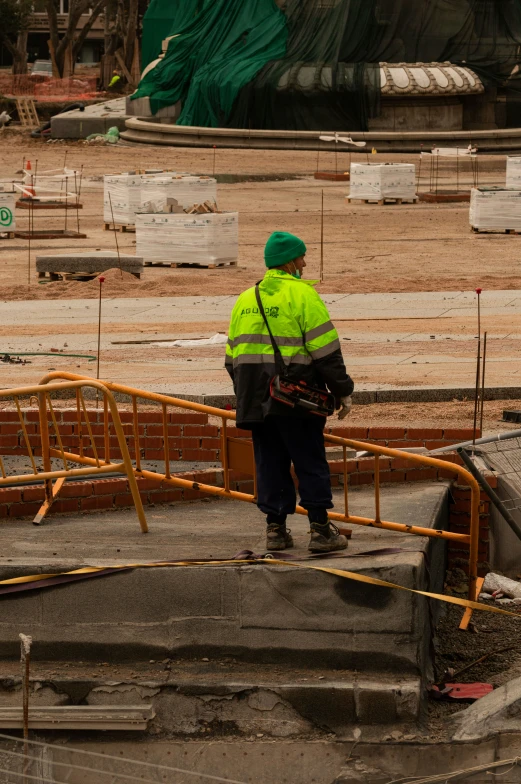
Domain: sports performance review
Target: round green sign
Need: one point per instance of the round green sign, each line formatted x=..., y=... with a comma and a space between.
x=6, y=216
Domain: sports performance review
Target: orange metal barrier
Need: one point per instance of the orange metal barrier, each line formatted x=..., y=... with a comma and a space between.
x=237, y=454
x=98, y=465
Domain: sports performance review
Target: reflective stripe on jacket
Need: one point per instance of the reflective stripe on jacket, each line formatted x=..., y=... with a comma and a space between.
x=302, y=328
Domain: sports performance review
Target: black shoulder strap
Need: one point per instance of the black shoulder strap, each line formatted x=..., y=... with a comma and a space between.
x=279, y=361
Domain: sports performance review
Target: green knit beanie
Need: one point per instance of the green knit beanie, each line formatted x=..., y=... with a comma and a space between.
x=282, y=248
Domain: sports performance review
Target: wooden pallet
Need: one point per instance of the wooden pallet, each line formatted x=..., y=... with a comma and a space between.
x=121, y=227
x=50, y=234
x=48, y=277
x=192, y=266
x=387, y=200
x=27, y=113
x=34, y=204
x=332, y=176
x=495, y=231
x=6, y=235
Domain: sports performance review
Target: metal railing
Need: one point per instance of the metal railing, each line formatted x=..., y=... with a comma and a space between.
x=237, y=454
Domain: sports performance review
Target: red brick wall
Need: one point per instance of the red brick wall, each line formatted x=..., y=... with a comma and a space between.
x=190, y=436
x=459, y=523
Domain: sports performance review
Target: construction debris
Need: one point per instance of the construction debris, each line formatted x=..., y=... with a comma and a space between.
x=9, y=360
x=497, y=587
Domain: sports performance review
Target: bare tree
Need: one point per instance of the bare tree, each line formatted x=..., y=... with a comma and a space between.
x=122, y=22
x=69, y=44
x=15, y=15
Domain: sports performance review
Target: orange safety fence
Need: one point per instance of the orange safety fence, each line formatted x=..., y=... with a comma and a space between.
x=47, y=90
x=237, y=455
x=48, y=443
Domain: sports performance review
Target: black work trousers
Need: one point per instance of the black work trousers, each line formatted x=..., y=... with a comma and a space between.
x=278, y=442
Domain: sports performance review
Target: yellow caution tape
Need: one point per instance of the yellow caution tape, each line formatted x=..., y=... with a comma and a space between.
x=361, y=578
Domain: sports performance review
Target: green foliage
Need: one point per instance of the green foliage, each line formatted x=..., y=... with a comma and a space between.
x=15, y=15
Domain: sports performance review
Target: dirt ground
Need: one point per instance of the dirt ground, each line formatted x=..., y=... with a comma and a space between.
x=368, y=248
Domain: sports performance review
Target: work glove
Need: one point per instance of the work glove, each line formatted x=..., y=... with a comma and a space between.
x=346, y=404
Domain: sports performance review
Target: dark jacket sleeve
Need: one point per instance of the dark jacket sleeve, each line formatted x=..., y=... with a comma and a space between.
x=228, y=364
x=332, y=371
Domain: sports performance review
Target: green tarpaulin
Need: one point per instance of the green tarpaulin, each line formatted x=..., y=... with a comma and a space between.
x=313, y=64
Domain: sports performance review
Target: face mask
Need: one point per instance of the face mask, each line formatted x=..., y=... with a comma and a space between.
x=295, y=274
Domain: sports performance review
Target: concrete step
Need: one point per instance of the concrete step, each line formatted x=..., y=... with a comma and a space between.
x=257, y=613
x=210, y=698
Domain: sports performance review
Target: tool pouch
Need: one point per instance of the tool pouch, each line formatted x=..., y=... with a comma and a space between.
x=295, y=394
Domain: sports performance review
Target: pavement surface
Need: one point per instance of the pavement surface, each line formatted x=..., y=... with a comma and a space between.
x=416, y=339
x=209, y=529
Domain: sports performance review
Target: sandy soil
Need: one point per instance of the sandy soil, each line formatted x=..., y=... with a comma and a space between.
x=367, y=248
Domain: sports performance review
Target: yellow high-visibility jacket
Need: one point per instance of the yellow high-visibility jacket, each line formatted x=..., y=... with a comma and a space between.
x=303, y=331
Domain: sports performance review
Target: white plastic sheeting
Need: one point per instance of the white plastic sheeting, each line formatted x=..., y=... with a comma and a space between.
x=122, y=194
x=121, y=198
x=495, y=209
x=187, y=189
x=383, y=181
x=7, y=211
x=514, y=172
x=219, y=339
x=188, y=239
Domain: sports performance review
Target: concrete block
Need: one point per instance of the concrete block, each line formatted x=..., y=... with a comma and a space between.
x=499, y=711
x=161, y=594
x=97, y=261
x=350, y=606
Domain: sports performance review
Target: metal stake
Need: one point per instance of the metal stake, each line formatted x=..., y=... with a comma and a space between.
x=322, y=240
x=476, y=395
x=115, y=236
x=483, y=382
x=101, y=281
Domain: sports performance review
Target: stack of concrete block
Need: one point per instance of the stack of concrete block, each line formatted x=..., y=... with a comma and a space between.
x=514, y=172
x=377, y=181
x=7, y=211
x=122, y=195
x=495, y=209
x=186, y=189
x=207, y=240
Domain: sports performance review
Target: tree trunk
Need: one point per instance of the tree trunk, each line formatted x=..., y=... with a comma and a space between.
x=20, y=59
x=130, y=33
x=17, y=51
x=54, y=41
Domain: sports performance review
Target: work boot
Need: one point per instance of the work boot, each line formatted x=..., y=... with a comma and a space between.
x=325, y=538
x=278, y=537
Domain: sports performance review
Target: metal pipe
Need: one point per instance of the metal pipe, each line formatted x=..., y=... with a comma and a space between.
x=484, y=440
x=495, y=499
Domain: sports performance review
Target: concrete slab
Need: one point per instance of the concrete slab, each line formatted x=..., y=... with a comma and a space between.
x=97, y=118
x=496, y=712
x=383, y=338
x=93, y=262
x=258, y=612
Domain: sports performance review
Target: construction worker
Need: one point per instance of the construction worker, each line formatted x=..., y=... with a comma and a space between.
x=303, y=333
x=115, y=82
